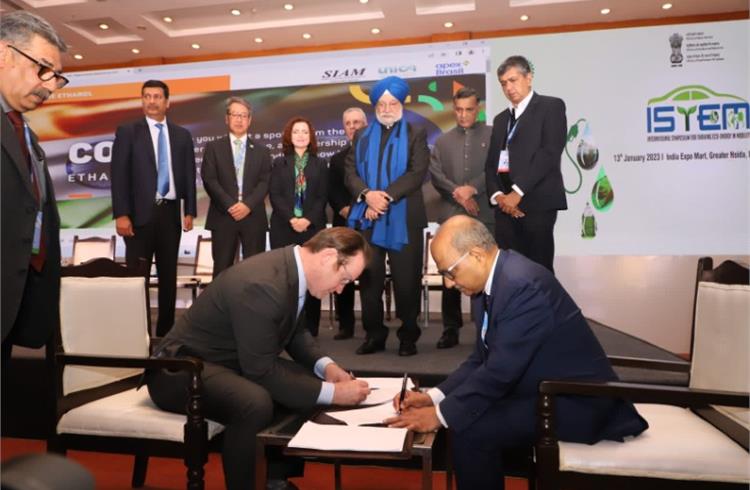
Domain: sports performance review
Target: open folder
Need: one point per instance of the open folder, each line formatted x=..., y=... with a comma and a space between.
x=329, y=437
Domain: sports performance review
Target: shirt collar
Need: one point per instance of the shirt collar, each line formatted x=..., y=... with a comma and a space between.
x=300, y=273
x=234, y=138
x=6, y=106
x=523, y=104
x=488, y=284
x=153, y=122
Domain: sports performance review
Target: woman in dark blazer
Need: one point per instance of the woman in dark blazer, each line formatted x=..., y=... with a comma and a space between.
x=299, y=192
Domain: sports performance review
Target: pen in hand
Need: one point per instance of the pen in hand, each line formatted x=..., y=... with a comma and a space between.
x=402, y=395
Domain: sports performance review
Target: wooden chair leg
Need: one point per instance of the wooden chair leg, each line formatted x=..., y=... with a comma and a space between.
x=140, y=465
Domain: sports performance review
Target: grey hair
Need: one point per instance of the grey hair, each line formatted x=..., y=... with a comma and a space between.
x=465, y=93
x=473, y=233
x=519, y=62
x=241, y=101
x=355, y=109
x=20, y=27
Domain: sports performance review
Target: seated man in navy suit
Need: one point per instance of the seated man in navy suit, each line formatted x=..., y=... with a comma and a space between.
x=528, y=330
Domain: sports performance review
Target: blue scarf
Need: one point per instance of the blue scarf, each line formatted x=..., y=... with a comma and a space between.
x=389, y=231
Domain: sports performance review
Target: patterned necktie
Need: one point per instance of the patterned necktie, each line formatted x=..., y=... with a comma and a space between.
x=300, y=183
x=512, y=119
x=37, y=259
x=162, y=183
x=239, y=163
x=485, y=320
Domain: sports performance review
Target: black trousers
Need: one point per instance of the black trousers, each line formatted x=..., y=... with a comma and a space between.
x=242, y=406
x=345, y=308
x=532, y=235
x=406, y=271
x=450, y=305
x=160, y=239
x=226, y=238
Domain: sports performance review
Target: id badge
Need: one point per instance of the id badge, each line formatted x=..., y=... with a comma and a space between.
x=37, y=241
x=503, y=164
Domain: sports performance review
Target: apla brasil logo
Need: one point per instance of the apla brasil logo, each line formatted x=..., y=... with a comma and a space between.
x=692, y=108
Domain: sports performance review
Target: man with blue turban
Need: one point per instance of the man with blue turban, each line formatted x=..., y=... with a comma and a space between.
x=385, y=170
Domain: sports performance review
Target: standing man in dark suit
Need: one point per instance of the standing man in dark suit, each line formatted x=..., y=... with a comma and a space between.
x=523, y=172
x=528, y=330
x=385, y=171
x=340, y=200
x=29, y=72
x=235, y=173
x=241, y=325
x=153, y=169
x=457, y=173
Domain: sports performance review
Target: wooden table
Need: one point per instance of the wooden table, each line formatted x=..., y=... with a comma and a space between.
x=281, y=433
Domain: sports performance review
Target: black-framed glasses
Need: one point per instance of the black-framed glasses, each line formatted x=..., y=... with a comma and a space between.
x=348, y=278
x=46, y=72
x=448, y=273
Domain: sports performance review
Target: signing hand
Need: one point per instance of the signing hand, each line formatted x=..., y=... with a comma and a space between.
x=413, y=399
x=423, y=419
x=350, y=392
x=378, y=200
x=335, y=374
x=238, y=211
x=124, y=226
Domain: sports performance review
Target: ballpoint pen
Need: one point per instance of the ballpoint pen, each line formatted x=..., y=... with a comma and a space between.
x=402, y=395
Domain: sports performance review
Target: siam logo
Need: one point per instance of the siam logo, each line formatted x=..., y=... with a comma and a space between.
x=696, y=109
x=346, y=74
x=675, y=42
x=397, y=70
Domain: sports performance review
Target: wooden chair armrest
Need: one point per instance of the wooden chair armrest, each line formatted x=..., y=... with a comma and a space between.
x=643, y=363
x=646, y=393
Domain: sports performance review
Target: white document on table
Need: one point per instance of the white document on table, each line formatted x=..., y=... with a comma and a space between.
x=367, y=415
x=384, y=389
x=328, y=437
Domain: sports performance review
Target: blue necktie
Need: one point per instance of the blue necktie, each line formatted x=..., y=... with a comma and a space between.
x=162, y=186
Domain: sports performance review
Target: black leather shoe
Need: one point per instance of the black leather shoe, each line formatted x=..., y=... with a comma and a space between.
x=280, y=485
x=407, y=349
x=343, y=335
x=447, y=340
x=371, y=346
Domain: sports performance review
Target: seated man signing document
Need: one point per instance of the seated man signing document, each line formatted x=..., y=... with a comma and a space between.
x=528, y=330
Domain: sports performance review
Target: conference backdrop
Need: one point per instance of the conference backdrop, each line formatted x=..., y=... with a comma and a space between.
x=656, y=160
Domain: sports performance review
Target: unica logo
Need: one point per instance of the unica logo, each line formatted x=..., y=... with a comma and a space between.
x=696, y=108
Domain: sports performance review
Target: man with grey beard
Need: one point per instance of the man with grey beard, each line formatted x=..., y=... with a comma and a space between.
x=29, y=73
x=385, y=170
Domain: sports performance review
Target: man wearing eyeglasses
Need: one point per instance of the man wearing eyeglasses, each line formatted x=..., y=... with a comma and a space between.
x=240, y=326
x=30, y=65
x=153, y=169
x=529, y=330
x=235, y=173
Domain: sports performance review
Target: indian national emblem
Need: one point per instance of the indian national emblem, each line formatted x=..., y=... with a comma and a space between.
x=675, y=41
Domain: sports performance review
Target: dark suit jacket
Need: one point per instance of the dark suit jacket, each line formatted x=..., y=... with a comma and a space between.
x=338, y=195
x=535, y=332
x=409, y=185
x=534, y=154
x=19, y=208
x=220, y=180
x=244, y=321
x=134, y=173
x=282, y=199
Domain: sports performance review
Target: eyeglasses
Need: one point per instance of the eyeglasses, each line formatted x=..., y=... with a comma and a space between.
x=46, y=72
x=348, y=277
x=448, y=273
x=238, y=115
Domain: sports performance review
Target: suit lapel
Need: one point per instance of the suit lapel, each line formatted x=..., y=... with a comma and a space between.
x=145, y=131
x=528, y=113
x=13, y=147
x=293, y=291
x=174, y=147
